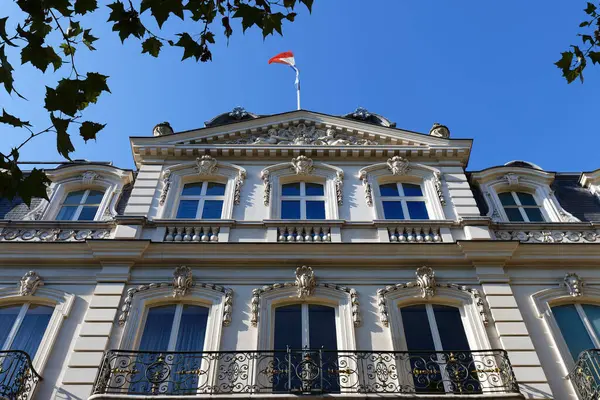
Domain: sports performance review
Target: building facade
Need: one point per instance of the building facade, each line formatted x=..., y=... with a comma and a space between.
x=302, y=254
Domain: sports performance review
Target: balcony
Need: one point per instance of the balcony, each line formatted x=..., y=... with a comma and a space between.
x=310, y=373
x=18, y=379
x=558, y=232
x=586, y=375
x=55, y=231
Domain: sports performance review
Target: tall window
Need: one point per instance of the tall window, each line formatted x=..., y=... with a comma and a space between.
x=403, y=201
x=81, y=205
x=521, y=207
x=302, y=200
x=201, y=200
x=305, y=335
x=22, y=326
x=437, y=342
x=579, y=325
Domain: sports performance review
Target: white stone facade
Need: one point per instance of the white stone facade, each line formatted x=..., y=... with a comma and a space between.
x=102, y=275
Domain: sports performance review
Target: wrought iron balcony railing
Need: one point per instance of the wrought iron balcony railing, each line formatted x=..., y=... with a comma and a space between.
x=305, y=372
x=586, y=375
x=18, y=379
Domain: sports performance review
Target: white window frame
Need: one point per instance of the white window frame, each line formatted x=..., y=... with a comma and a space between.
x=303, y=198
x=402, y=199
x=202, y=197
x=304, y=308
x=521, y=207
x=86, y=193
x=17, y=324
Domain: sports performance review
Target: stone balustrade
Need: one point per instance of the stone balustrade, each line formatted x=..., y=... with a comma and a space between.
x=548, y=233
x=414, y=234
x=304, y=234
x=55, y=231
x=198, y=233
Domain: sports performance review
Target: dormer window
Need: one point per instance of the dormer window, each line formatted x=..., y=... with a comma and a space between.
x=201, y=200
x=80, y=205
x=403, y=201
x=520, y=207
x=302, y=200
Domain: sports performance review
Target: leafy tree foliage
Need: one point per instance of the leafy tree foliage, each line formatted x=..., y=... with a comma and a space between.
x=573, y=62
x=76, y=90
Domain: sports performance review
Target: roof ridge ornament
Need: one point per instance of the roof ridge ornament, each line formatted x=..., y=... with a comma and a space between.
x=361, y=113
x=439, y=130
x=238, y=113
x=162, y=129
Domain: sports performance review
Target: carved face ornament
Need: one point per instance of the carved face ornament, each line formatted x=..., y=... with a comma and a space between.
x=302, y=165
x=29, y=283
x=206, y=165
x=398, y=165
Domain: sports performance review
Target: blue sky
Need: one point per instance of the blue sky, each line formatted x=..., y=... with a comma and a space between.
x=485, y=69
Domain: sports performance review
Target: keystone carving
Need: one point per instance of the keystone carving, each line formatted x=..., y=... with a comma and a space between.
x=426, y=282
x=574, y=284
x=182, y=281
x=511, y=179
x=302, y=165
x=306, y=282
x=88, y=177
x=398, y=165
x=206, y=165
x=29, y=283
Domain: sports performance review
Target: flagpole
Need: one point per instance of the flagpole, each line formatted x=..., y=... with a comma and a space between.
x=297, y=85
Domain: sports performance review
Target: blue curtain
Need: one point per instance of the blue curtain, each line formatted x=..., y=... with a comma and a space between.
x=192, y=331
x=8, y=315
x=32, y=329
x=157, y=330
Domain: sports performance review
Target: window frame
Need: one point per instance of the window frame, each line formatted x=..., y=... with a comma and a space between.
x=17, y=325
x=305, y=321
x=86, y=193
x=202, y=197
x=303, y=198
x=519, y=206
x=402, y=199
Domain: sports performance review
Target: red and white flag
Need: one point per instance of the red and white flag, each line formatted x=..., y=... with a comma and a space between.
x=287, y=58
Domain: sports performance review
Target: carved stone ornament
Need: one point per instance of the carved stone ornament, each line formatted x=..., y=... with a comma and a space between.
x=364, y=178
x=206, y=165
x=361, y=113
x=166, y=178
x=88, y=177
x=574, y=284
x=339, y=187
x=267, y=187
x=238, y=113
x=239, y=182
x=182, y=281
x=306, y=282
x=511, y=179
x=29, y=283
x=437, y=181
x=439, y=130
x=494, y=214
x=302, y=165
x=398, y=165
x=426, y=281
x=162, y=129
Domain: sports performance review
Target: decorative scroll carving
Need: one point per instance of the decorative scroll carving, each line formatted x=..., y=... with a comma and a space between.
x=439, y=130
x=306, y=282
x=227, y=292
x=398, y=165
x=339, y=187
x=53, y=235
x=239, y=182
x=574, y=284
x=182, y=280
x=511, y=179
x=166, y=178
x=437, y=181
x=356, y=319
x=426, y=282
x=267, y=186
x=364, y=178
x=302, y=165
x=206, y=165
x=494, y=214
x=29, y=283
x=88, y=177
x=550, y=236
x=162, y=129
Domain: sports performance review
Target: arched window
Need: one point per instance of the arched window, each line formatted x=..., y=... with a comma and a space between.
x=80, y=205
x=579, y=325
x=302, y=200
x=23, y=326
x=403, y=201
x=521, y=207
x=201, y=200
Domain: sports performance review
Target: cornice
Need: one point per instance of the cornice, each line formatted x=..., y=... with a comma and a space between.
x=113, y=250
x=590, y=178
x=496, y=173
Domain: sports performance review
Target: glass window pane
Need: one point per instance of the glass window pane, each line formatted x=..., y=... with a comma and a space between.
x=513, y=214
x=95, y=197
x=8, y=315
x=417, y=210
x=215, y=189
x=157, y=330
x=593, y=314
x=288, y=327
x=74, y=197
x=389, y=189
x=212, y=209
x=416, y=328
x=290, y=189
x=88, y=213
x=526, y=199
x=412, y=189
x=290, y=209
x=66, y=213
x=192, y=189
x=321, y=321
x=392, y=210
x=315, y=210
x=32, y=329
x=450, y=327
x=314, y=189
x=572, y=329
x=507, y=199
x=534, y=214
x=187, y=209
x=192, y=328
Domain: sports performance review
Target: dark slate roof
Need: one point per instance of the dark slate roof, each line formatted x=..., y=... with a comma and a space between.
x=576, y=199
x=16, y=209
x=236, y=115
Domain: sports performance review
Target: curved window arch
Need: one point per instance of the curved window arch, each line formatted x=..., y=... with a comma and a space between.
x=81, y=205
x=520, y=206
x=201, y=200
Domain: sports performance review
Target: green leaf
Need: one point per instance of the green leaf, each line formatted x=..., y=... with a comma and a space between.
x=33, y=185
x=208, y=37
x=584, y=23
x=250, y=16
x=6, y=118
x=308, y=4
x=85, y=6
x=67, y=49
x=3, y=35
x=227, y=26
x=62, y=6
x=590, y=9
x=594, y=56
x=127, y=23
x=63, y=139
x=6, y=70
x=88, y=130
x=191, y=48
x=73, y=95
x=40, y=56
x=289, y=3
x=89, y=39
x=151, y=46
x=272, y=22
x=162, y=9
